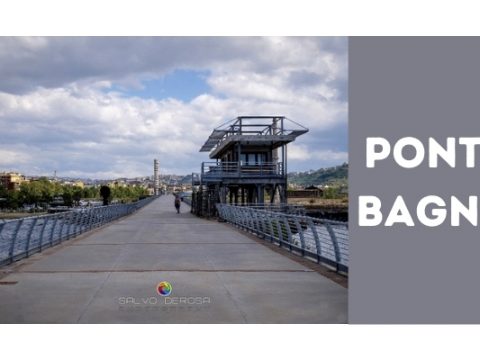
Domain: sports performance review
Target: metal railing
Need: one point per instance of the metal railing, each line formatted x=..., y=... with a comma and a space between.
x=195, y=179
x=185, y=197
x=223, y=169
x=23, y=237
x=276, y=207
x=324, y=241
x=253, y=126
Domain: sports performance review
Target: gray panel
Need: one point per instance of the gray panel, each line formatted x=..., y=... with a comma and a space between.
x=421, y=87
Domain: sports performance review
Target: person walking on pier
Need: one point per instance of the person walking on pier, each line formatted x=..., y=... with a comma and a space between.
x=177, y=203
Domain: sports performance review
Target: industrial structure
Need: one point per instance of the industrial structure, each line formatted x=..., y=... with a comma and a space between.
x=249, y=163
x=156, y=180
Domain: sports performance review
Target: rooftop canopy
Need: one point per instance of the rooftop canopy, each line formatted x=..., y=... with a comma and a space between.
x=278, y=129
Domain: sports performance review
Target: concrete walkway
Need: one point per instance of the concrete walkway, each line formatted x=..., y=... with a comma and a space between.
x=218, y=275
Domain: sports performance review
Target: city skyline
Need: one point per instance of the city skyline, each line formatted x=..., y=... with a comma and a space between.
x=106, y=107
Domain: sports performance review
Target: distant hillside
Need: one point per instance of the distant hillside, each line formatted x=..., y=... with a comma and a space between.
x=187, y=179
x=332, y=175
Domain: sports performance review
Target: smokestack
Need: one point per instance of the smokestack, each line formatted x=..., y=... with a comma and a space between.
x=155, y=177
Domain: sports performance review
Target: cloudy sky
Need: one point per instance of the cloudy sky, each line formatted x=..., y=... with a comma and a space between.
x=106, y=107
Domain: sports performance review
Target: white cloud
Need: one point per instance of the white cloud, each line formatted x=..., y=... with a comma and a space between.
x=13, y=158
x=58, y=110
x=298, y=152
x=303, y=153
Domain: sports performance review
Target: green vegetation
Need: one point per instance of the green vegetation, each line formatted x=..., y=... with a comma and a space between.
x=126, y=193
x=336, y=176
x=42, y=192
x=333, y=181
x=332, y=192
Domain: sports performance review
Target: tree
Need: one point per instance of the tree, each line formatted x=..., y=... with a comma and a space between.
x=77, y=195
x=31, y=193
x=90, y=192
x=3, y=197
x=13, y=199
x=67, y=199
x=105, y=194
x=330, y=192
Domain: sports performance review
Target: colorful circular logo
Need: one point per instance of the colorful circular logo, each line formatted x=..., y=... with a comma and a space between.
x=164, y=288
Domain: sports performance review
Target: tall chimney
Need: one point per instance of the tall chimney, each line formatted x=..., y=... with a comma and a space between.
x=155, y=177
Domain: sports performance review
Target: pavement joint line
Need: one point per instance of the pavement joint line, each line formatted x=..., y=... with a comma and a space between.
x=178, y=223
x=169, y=243
x=319, y=268
x=109, y=273
x=229, y=294
x=162, y=270
x=97, y=290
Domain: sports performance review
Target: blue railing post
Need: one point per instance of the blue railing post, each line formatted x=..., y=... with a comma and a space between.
x=42, y=232
x=63, y=219
x=29, y=236
x=335, y=243
x=289, y=231
x=14, y=239
x=52, y=232
x=270, y=227
x=256, y=222
x=72, y=223
x=88, y=219
x=300, y=232
x=317, y=239
x=1, y=228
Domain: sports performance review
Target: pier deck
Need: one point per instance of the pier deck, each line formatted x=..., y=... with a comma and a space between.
x=218, y=275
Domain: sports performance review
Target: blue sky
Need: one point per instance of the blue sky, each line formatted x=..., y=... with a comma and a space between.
x=106, y=107
x=181, y=84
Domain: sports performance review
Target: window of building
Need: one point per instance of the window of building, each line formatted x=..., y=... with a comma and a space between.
x=253, y=158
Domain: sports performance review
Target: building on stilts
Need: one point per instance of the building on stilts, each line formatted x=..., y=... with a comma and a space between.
x=248, y=163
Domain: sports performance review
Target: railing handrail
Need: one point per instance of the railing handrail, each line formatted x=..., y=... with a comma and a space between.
x=241, y=162
x=18, y=238
x=322, y=239
x=305, y=217
x=211, y=168
x=77, y=209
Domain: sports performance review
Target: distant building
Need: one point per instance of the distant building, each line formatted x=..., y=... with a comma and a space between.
x=76, y=183
x=117, y=183
x=79, y=184
x=12, y=180
x=308, y=192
